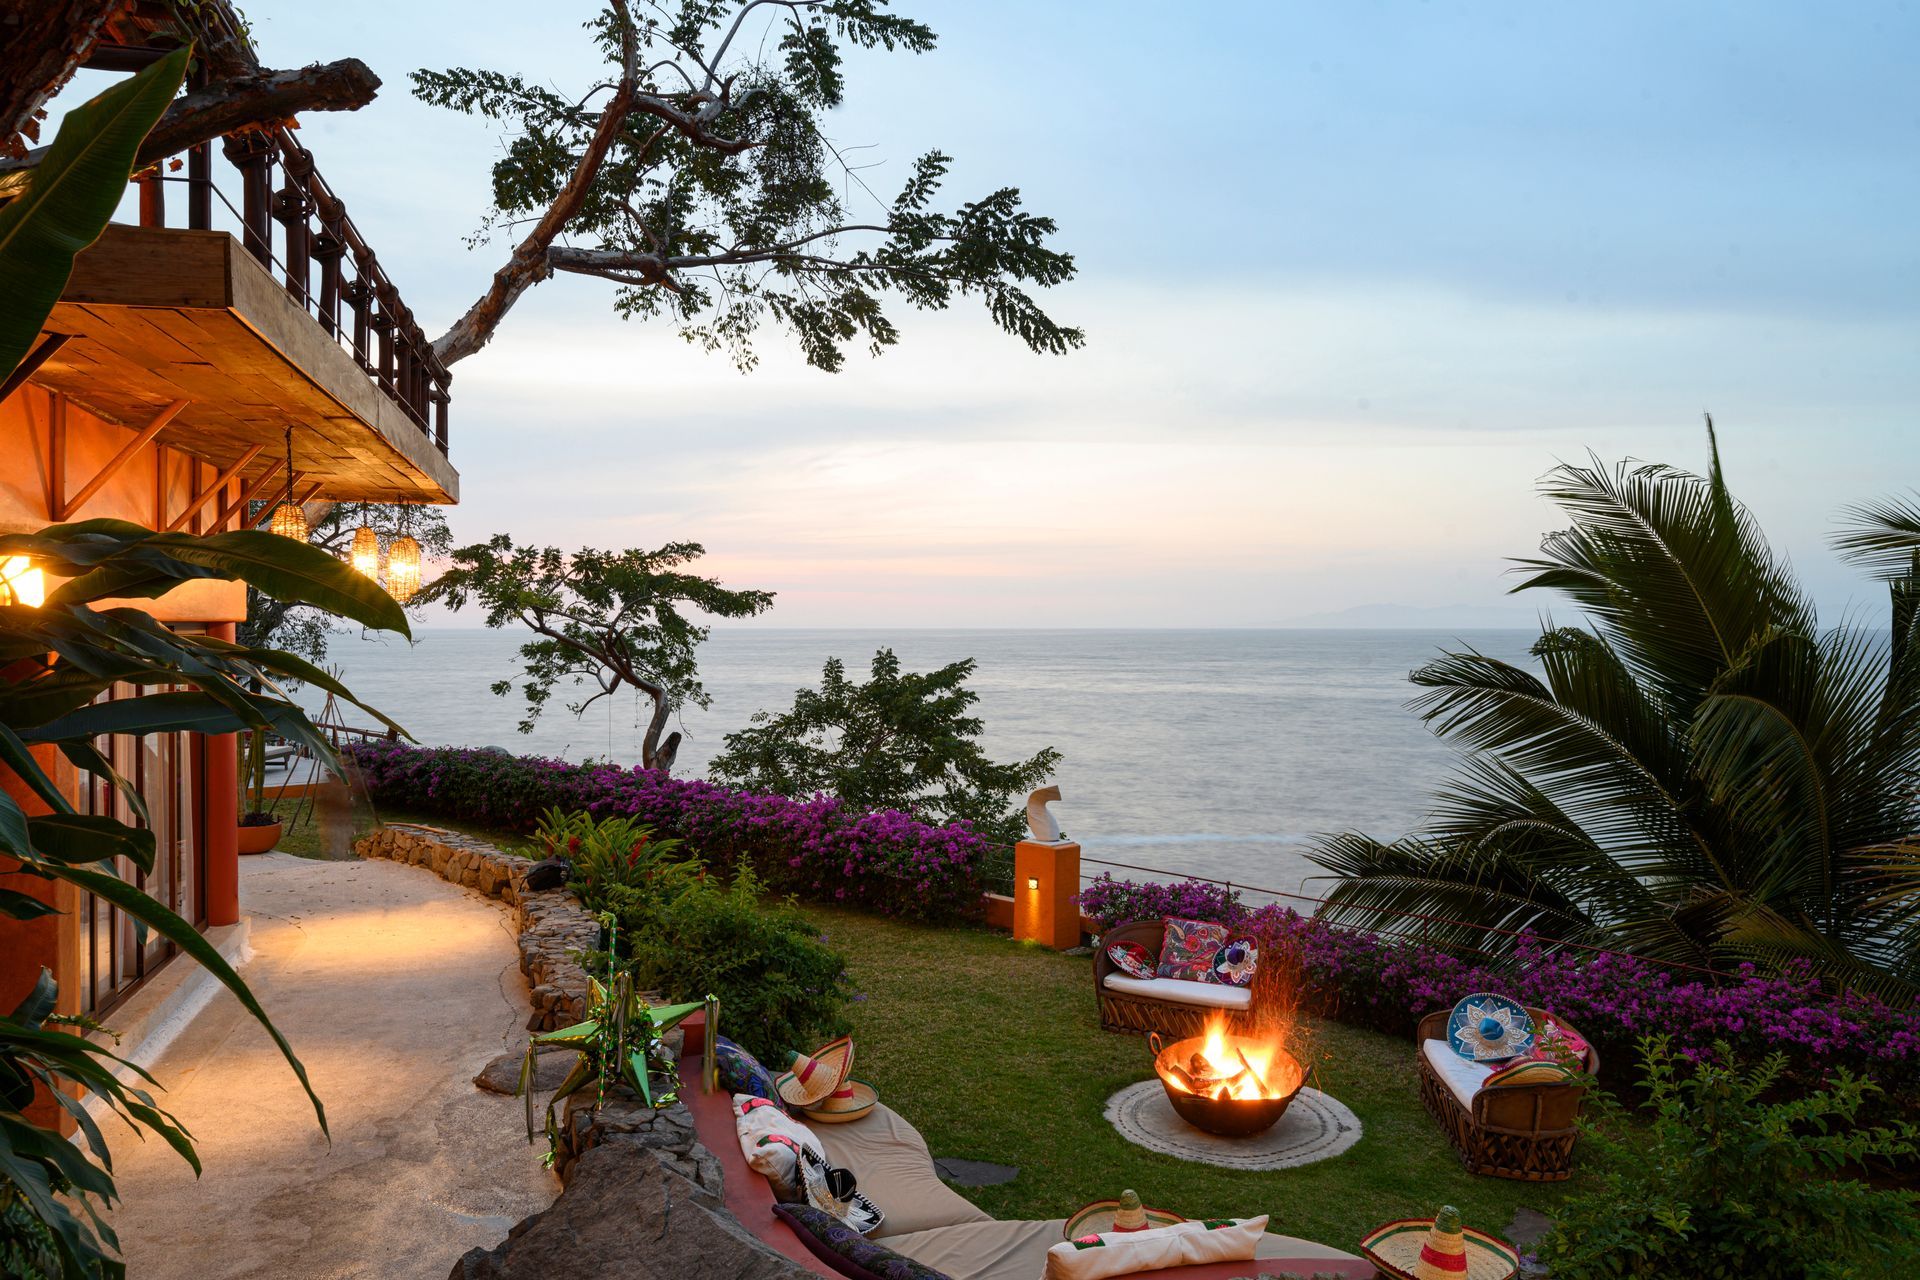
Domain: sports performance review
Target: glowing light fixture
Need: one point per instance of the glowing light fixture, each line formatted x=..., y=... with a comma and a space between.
x=21, y=583
x=1033, y=882
x=289, y=519
x=366, y=552
x=403, y=568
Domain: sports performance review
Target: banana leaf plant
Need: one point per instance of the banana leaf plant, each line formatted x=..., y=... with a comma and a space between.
x=56, y=660
x=619, y=1043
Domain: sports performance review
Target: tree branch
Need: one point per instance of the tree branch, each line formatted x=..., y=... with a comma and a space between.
x=259, y=98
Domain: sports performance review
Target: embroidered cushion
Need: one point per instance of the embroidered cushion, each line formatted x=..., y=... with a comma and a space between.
x=1553, y=1042
x=1120, y=1253
x=847, y=1251
x=740, y=1072
x=773, y=1143
x=1131, y=959
x=1530, y=1071
x=1233, y=964
x=1189, y=949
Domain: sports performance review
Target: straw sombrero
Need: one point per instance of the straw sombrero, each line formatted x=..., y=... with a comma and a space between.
x=1124, y=1214
x=811, y=1077
x=850, y=1101
x=1439, y=1249
x=1487, y=1028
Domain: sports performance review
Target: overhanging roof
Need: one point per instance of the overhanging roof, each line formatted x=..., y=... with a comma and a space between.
x=156, y=316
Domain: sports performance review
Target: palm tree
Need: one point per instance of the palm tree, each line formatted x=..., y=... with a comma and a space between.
x=1698, y=773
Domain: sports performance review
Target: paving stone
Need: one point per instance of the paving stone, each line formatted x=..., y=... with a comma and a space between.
x=974, y=1173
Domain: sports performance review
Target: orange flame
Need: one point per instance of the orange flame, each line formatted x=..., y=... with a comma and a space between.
x=1243, y=1068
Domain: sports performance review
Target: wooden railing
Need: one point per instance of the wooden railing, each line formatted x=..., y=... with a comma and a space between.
x=352, y=299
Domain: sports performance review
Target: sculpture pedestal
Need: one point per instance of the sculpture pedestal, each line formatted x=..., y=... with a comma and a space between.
x=1046, y=879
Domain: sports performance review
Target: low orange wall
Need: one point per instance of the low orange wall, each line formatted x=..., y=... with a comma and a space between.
x=999, y=911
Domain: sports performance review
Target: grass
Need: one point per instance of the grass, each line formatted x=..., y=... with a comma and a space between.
x=993, y=1050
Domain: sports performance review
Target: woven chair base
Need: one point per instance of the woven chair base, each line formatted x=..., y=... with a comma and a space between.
x=1546, y=1157
x=1173, y=1021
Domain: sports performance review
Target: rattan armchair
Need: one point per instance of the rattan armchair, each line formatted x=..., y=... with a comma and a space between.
x=1521, y=1131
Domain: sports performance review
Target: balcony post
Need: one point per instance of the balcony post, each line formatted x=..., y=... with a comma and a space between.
x=153, y=196
x=292, y=206
x=252, y=154
x=329, y=246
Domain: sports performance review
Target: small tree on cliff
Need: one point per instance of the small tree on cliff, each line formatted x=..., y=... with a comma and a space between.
x=606, y=619
x=900, y=740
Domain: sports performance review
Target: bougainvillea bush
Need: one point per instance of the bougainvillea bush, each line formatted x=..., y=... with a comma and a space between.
x=818, y=849
x=1389, y=984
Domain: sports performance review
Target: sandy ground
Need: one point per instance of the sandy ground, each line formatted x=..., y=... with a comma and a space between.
x=394, y=988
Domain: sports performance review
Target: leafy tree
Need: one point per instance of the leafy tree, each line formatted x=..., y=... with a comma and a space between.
x=301, y=630
x=900, y=740
x=1700, y=773
x=608, y=619
x=697, y=176
x=1723, y=1181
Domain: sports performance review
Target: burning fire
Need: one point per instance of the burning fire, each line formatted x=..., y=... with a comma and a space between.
x=1230, y=1066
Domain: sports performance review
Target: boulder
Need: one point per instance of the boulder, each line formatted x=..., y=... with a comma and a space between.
x=502, y=1075
x=624, y=1216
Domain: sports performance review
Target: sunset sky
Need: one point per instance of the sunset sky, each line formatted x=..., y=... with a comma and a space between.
x=1354, y=276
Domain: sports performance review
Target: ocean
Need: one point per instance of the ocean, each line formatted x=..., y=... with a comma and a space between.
x=1218, y=753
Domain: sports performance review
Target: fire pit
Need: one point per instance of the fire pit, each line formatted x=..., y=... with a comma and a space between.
x=1225, y=1084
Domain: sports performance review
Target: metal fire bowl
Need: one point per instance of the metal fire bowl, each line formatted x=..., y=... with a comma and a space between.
x=1224, y=1117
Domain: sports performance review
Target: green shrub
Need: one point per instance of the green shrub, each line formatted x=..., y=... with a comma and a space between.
x=604, y=852
x=1727, y=1184
x=780, y=986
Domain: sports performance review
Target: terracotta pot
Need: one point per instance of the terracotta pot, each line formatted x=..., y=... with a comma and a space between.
x=259, y=839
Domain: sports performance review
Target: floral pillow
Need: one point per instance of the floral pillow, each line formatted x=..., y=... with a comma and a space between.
x=740, y=1072
x=1553, y=1042
x=1233, y=964
x=1131, y=959
x=847, y=1251
x=1189, y=948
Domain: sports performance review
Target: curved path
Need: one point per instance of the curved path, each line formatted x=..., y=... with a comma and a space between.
x=394, y=988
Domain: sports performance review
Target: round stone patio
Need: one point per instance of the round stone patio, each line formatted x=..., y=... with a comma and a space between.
x=1316, y=1127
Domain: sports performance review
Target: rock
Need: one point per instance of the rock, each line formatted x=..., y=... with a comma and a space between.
x=624, y=1216
x=502, y=1075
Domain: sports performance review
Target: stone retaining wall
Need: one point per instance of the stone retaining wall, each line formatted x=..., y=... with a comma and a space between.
x=551, y=923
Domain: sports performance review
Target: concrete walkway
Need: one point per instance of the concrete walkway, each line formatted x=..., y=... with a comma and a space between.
x=394, y=988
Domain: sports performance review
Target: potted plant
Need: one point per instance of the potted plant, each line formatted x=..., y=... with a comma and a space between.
x=259, y=825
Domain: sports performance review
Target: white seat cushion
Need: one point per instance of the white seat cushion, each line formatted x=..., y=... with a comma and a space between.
x=1213, y=995
x=1459, y=1075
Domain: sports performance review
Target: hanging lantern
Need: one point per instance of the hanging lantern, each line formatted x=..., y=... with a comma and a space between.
x=403, y=569
x=365, y=555
x=290, y=519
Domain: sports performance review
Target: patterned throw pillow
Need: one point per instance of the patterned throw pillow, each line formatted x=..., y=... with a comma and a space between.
x=1530, y=1071
x=1131, y=959
x=1233, y=964
x=1553, y=1042
x=1189, y=949
x=847, y=1251
x=741, y=1072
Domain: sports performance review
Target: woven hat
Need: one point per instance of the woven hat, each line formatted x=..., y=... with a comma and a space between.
x=849, y=1102
x=811, y=1077
x=1439, y=1249
x=1487, y=1028
x=1124, y=1214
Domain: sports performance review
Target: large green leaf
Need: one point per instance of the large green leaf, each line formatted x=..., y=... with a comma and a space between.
x=73, y=194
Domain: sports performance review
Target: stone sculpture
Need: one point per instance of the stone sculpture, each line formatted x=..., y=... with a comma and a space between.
x=1040, y=819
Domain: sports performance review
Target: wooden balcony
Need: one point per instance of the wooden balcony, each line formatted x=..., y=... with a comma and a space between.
x=156, y=316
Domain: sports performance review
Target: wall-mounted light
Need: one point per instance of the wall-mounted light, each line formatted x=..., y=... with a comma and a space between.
x=21, y=583
x=1033, y=882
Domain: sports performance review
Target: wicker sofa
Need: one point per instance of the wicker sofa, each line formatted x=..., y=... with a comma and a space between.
x=1174, y=1008
x=1521, y=1131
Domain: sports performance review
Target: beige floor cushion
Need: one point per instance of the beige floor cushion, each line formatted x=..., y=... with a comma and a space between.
x=895, y=1170
x=1212, y=995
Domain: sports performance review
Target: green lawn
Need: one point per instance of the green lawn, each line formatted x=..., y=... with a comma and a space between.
x=993, y=1050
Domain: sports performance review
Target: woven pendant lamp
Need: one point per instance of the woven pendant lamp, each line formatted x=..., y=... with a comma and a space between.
x=403, y=568
x=365, y=556
x=289, y=518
